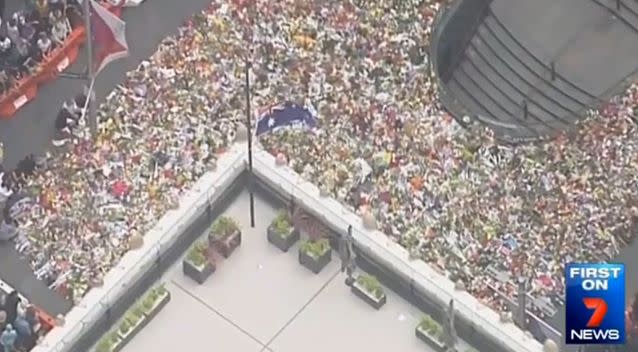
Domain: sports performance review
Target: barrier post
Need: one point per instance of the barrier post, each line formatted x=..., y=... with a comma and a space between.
x=91, y=70
x=249, y=123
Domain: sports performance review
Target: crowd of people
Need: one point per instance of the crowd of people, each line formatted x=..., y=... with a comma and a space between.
x=19, y=324
x=481, y=212
x=28, y=36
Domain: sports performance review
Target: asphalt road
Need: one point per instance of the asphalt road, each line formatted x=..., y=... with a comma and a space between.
x=31, y=129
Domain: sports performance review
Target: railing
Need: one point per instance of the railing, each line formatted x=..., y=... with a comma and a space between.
x=456, y=109
x=537, y=326
x=461, y=22
x=459, y=111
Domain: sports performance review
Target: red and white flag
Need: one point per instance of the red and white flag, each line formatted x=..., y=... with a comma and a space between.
x=108, y=33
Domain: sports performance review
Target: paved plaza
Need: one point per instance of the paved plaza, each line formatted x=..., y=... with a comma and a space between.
x=261, y=299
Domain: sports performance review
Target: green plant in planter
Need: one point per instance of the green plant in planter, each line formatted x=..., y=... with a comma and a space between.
x=197, y=253
x=426, y=323
x=152, y=294
x=224, y=227
x=431, y=327
x=152, y=297
x=148, y=302
x=160, y=290
x=138, y=312
x=316, y=248
x=282, y=223
x=104, y=345
x=371, y=284
x=134, y=315
x=125, y=326
x=107, y=342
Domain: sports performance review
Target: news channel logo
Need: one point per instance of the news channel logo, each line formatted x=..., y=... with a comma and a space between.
x=595, y=307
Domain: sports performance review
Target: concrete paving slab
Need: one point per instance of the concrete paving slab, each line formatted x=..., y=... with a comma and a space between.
x=185, y=324
x=267, y=302
x=337, y=320
x=258, y=287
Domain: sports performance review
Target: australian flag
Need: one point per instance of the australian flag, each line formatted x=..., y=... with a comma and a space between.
x=285, y=115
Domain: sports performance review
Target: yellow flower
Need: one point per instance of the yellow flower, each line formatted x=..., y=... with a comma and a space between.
x=152, y=191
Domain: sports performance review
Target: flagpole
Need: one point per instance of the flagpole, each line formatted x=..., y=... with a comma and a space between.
x=249, y=125
x=92, y=116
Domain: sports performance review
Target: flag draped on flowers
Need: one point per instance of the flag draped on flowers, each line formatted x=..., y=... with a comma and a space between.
x=285, y=115
x=108, y=33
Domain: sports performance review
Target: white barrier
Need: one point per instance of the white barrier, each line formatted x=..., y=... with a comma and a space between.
x=209, y=188
x=131, y=3
x=135, y=263
x=390, y=254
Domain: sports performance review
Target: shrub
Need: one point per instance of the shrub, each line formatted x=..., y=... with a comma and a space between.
x=161, y=289
x=152, y=296
x=105, y=345
x=432, y=327
x=197, y=253
x=137, y=313
x=317, y=248
x=148, y=302
x=125, y=326
x=371, y=284
x=107, y=342
x=152, y=293
x=282, y=223
x=223, y=227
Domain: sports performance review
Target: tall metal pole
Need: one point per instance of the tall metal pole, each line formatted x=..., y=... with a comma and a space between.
x=521, y=309
x=91, y=70
x=249, y=125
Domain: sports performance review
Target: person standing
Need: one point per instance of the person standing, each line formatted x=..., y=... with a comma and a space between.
x=8, y=338
x=11, y=306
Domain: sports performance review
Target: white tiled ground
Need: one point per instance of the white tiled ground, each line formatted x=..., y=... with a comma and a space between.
x=261, y=299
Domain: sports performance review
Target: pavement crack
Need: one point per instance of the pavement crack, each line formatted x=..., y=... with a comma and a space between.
x=227, y=319
x=266, y=347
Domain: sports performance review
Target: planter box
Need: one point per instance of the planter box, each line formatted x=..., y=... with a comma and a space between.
x=130, y=334
x=433, y=342
x=362, y=293
x=199, y=274
x=225, y=246
x=314, y=264
x=159, y=304
x=117, y=347
x=281, y=242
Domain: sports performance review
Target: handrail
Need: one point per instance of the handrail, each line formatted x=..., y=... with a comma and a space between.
x=618, y=15
x=514, y=86
x=450, y=103
x=459, y=111
x=467, y=38
x=538, y=76
x=532, y=55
